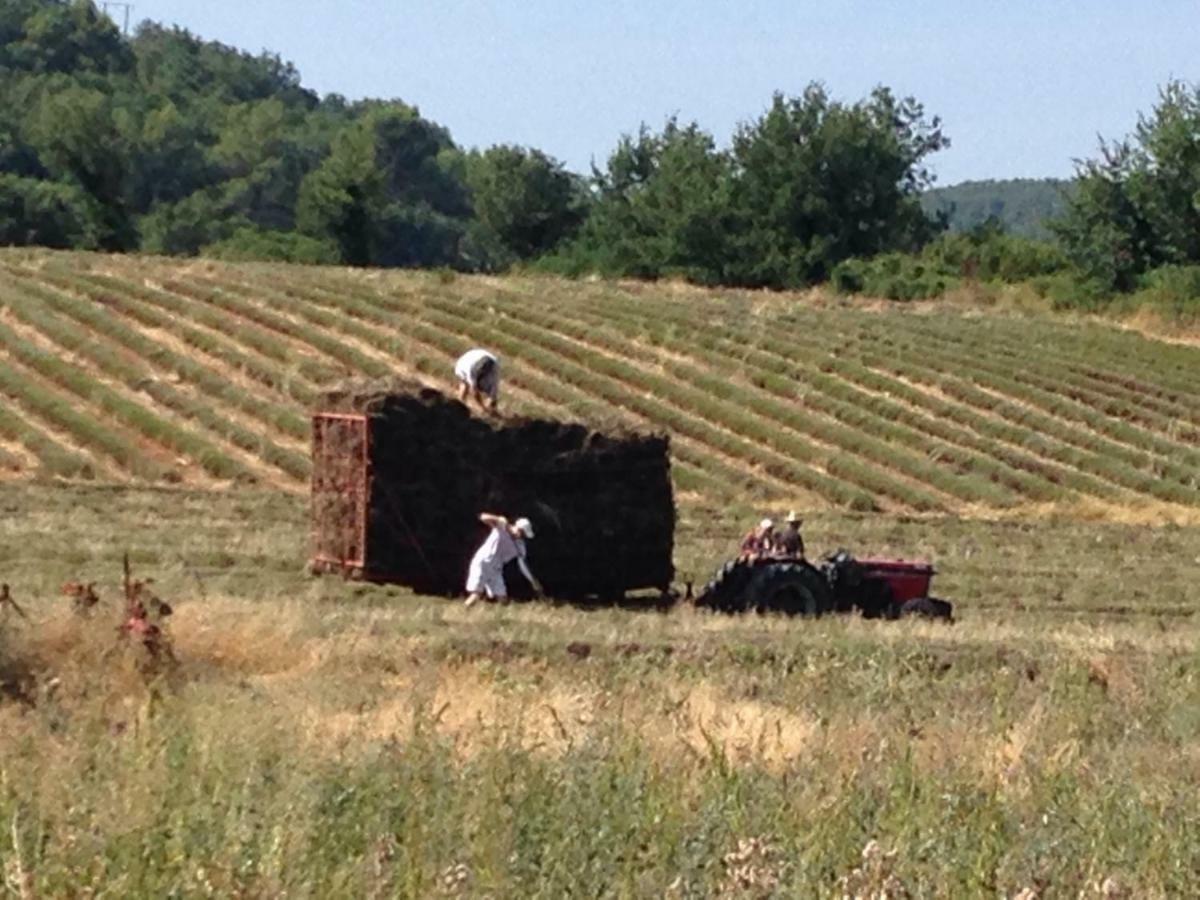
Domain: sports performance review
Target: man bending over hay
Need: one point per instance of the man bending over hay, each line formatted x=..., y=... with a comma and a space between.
x=505, y=543
x=478, y=373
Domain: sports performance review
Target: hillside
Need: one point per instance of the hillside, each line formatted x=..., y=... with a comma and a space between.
x=1022, y=205
x=148, y=370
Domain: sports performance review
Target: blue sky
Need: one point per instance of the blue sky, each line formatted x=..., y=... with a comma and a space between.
x=1023, y=87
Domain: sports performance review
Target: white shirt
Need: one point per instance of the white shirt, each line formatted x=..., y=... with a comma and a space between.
x=467, y=369
x=499, y=549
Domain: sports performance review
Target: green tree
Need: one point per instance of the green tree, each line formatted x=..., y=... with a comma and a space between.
x=55, y=36
x=387, y=193
x=1137, y=205
x=174, y=63
x=35, y=212
x=662, y=207
x=819, y=181
x=525, y=198
x=75, y=132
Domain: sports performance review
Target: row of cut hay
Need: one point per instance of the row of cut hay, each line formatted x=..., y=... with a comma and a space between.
x=142, y=420
x=33, y=380
x=860, y=429
x=1066, y=450
x=53, y=459
x=278, y=379
x=1052, y=415
x=659, y=399
x=1046, y=387
x=129, y=369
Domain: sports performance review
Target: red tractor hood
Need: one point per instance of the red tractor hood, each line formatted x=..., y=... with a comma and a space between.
x=907, y=579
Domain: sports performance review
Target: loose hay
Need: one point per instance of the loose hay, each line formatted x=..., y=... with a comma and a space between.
x=601, y=502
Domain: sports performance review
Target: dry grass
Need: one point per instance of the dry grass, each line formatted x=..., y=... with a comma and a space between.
x=325, y=738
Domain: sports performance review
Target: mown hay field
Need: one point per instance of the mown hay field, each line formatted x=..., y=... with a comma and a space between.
x=200, y=373
x=327, y=738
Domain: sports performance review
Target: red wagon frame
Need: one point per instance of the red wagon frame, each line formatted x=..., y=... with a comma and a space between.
x=341, y=476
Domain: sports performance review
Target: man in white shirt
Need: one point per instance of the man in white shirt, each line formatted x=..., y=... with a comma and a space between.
x=478, y=373
x=505, y=543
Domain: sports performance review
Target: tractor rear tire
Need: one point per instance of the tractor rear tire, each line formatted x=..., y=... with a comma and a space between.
x=792, y=588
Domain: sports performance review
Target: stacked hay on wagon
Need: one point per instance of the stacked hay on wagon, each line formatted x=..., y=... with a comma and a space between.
x=401, y=473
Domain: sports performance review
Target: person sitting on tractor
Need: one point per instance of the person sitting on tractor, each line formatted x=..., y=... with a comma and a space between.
x=790, y=545
x=759, y=542
x=478, y=373
x=505, y=543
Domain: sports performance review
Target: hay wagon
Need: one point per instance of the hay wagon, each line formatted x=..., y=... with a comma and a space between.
x=401, y=474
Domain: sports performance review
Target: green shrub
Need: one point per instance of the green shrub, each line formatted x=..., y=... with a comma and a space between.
x=249, y=244
x=1071, y=289
x=894, y=276
x=1171, y=290
x=988, y=254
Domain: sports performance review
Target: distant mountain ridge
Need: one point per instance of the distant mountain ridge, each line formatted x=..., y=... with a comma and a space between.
x=1022, y=205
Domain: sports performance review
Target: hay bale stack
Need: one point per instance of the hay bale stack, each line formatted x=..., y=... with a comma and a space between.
x=601, y=503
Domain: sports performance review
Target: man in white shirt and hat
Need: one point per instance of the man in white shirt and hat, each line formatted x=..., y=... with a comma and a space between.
x=504, y=543
x=478, y=373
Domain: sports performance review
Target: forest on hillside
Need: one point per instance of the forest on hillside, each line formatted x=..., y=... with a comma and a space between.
x=1021, y=206
x=166, y=143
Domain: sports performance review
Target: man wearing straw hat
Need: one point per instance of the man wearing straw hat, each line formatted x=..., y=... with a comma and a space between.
x=505, y=543
x=790, y=544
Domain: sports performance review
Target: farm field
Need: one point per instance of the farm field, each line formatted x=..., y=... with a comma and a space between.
x=326, y=738
x=153, y=371
x=323, y=737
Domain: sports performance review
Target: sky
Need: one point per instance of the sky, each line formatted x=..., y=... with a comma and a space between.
x=1022, y=87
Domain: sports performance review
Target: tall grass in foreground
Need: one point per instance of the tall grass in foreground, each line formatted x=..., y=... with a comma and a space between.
x=415, y=750
x=196, y=794
x=325, y=738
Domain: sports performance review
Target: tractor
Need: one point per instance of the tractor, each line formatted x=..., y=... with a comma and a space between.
x=875, y=588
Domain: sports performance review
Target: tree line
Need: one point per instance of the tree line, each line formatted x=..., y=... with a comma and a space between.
x=166, y=143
